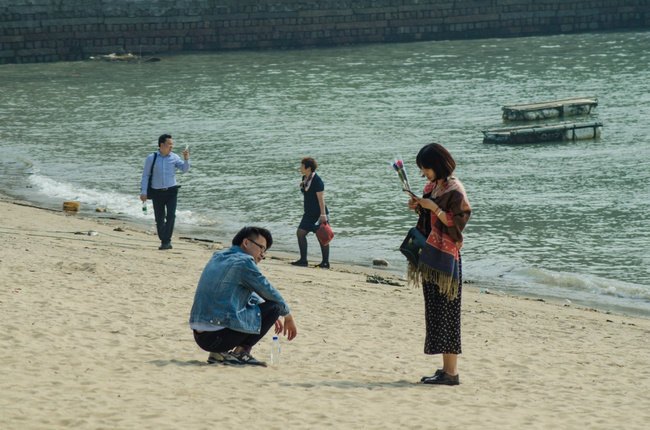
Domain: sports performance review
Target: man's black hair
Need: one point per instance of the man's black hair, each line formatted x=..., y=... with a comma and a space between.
x=253, y=233
x=163, y=138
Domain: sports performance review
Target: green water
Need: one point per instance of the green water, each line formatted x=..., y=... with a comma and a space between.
x=566, y=219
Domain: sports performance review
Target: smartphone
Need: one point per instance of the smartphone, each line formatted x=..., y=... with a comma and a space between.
x=411, y=193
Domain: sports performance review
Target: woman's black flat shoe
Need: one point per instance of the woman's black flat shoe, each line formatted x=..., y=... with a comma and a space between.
x=323, y=266
x=438, y=372
x=299, y=263
x=442, y=379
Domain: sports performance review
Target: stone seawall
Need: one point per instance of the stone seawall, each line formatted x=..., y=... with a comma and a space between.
x=54, y=30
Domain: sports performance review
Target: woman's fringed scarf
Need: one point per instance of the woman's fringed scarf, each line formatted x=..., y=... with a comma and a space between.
x=440, y=258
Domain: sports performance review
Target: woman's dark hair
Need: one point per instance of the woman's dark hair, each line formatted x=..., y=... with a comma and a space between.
x=163, y=138
x=435, y=156
x=309, y=163
x=253, y=233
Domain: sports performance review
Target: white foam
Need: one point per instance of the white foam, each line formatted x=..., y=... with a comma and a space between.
x=519, y=278
x=580, y=282
x=112, y=201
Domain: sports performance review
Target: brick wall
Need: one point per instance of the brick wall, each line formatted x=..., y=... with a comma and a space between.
x=54, y=30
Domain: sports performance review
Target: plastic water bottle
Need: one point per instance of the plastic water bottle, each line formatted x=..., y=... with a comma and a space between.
x=275, y=351
x=144, y=208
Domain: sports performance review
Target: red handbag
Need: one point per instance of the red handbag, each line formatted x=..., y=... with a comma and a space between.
x=324, y=233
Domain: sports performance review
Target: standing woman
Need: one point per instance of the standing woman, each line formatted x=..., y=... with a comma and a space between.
x=312, y=188
x=443, y=213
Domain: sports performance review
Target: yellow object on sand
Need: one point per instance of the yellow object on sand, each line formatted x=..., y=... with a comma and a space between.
x=71, y=206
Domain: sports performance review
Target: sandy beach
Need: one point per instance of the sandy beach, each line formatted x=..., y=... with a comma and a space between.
x=94, y=335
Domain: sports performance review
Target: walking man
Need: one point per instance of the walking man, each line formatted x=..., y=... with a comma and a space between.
x=159, y=180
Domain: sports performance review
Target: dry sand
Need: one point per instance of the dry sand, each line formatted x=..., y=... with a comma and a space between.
x=94, y=335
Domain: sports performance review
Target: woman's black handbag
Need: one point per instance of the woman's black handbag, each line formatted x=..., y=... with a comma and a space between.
x=412, y=245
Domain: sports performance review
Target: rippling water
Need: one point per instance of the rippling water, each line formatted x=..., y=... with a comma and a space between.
x=560, y=219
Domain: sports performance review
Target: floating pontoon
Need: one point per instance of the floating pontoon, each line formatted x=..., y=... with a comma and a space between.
x=544, y=133
x=550, y=109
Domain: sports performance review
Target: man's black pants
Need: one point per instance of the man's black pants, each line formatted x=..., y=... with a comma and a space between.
x=164, y=209
x=227, y=339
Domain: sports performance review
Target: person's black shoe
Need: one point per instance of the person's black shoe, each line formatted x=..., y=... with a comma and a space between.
x=165, y=246
x=443, y=378
x=246, y=358
x=438, y=372
x=323, y=265
x=301, y=263
x=223, y=358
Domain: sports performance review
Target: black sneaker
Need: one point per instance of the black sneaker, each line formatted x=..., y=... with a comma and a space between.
x=165, y=246
x=246, y=358
x=223, y=358
x=323, y=265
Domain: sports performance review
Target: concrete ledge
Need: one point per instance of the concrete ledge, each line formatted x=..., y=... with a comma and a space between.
x=29, y=29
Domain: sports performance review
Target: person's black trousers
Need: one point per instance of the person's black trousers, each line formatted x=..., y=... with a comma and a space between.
x=164, y=209
x=227, y=339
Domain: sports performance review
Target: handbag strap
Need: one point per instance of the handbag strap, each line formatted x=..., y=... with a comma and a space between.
x=155, y=154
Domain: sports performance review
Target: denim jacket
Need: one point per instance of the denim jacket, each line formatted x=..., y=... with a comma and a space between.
x=229, y=292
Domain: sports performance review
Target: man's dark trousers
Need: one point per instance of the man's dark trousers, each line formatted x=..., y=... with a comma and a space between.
x=164, y=209
x=227, y=339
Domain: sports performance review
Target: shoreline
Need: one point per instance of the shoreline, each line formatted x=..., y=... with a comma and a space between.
x=184, y=233
x=94, y=334
x=379, y=273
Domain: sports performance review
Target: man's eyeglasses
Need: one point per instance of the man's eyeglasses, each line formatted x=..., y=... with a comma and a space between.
x=262, y=247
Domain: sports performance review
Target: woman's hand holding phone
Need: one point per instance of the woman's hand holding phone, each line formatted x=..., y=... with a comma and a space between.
x=413, y=200
x=411, y=193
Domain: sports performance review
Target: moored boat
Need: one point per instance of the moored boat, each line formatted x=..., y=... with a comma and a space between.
x=551, y=109
x=543, y=133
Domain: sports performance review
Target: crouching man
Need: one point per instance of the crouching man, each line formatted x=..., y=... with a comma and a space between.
x=235, y=305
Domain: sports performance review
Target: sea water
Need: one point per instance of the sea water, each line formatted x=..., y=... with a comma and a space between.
x=563, y=219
